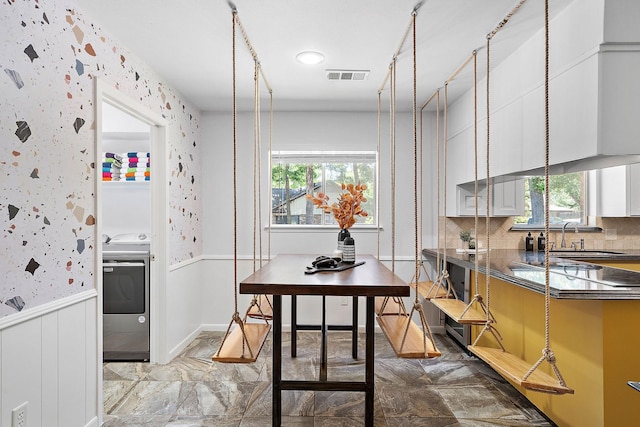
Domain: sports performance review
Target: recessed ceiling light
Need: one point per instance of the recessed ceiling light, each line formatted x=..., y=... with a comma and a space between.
x=310, y=57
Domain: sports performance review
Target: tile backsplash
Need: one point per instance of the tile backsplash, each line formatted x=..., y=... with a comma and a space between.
x=616, y=234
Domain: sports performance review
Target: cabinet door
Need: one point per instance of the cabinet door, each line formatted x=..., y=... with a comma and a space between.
x=612, y=192
x=508, y=198
x=633, y=188
x=466, y=199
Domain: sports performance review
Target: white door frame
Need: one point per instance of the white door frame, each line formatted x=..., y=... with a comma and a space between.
x=159, y=219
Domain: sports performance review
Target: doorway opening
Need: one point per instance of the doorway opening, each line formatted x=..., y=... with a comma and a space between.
x=131, y=202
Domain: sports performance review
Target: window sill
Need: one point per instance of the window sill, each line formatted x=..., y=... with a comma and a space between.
x=288, y=228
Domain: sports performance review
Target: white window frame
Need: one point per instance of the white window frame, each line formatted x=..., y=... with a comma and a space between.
x=582, y=226
x=330, y=156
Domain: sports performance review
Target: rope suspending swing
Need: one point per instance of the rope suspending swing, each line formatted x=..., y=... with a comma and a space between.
x=511, y=366
x=243, y=343
x=261, y=306
x=406, y=337
x=441, y=292
x=428, y=288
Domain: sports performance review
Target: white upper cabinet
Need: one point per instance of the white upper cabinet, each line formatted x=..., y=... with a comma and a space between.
x=616, y=191
x=507, y=199
x=594, y=99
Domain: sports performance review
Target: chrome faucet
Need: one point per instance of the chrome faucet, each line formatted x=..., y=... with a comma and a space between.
x=563, y=244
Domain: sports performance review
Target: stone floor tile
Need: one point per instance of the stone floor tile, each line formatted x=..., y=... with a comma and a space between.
x=217, y=398
x=453, y=390
x=154, y=398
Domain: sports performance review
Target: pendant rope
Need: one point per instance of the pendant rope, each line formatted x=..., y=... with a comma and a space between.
x=510, y=365
x=235, y=170
x=547, y=352
x=392, y=93
x=270, y=167
x=377, y=173
x=406, y=338
x=246, y=336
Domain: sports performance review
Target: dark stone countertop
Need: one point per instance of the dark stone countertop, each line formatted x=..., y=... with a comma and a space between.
x=569, y=278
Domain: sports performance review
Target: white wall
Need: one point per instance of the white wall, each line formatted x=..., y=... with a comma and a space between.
x=303, y=131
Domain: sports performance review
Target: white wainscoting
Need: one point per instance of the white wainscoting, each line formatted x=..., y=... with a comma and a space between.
x=49, y=358
x=184, y=307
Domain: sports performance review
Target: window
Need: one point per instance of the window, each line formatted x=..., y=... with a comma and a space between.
x=296, y=173
x=567, y=200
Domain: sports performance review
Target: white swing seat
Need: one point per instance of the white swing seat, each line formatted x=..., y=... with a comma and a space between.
x=428, y=290
x=514, y=369
x=391, y=308
x=233, y=351
x=454, y=308
x=394, y=328
x=263, y=309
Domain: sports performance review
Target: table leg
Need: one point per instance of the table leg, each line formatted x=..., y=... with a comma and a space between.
x=323, y=341
x=276, y=407
x=354, y=330
x=369, y=367
x=294, y=325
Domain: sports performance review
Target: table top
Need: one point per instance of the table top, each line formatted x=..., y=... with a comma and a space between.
x=285, y=275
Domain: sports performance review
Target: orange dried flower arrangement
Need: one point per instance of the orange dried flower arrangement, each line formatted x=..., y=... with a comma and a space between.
x=348, y=207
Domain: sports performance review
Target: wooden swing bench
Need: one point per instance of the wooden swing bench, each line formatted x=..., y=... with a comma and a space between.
x=263, y=309
x=429, y=290
x=243, y=348
x=390, y=306
x=399, y=328
x=514, y=369
x=460, y=311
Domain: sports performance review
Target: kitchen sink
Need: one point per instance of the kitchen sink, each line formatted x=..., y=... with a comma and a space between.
x=570, y=253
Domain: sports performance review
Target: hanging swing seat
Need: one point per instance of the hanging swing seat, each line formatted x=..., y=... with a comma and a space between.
x=455, y=309
x=514, y=369
x=428, y=290
x=263, y=309
x=233, y=351
x=391, y=307
x=415, y=345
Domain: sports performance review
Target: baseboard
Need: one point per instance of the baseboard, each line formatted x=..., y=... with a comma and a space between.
x=92, y=423
x=175, y=351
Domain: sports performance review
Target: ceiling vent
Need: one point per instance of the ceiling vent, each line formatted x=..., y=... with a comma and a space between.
x=347, y=74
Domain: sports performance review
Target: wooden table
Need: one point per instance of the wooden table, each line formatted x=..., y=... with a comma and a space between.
x=285, y=275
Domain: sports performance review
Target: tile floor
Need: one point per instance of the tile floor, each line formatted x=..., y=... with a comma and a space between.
x=453, y=390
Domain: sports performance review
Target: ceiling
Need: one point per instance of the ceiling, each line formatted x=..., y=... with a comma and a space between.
x=189, y=44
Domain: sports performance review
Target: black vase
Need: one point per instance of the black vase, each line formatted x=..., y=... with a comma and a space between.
x=343, y=234
x=349, y=251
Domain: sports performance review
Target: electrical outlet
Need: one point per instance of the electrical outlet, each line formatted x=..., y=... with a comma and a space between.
x=19, y=416
x=344, y=301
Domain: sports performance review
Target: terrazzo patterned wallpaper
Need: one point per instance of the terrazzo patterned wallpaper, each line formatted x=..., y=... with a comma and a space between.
x=50, y=55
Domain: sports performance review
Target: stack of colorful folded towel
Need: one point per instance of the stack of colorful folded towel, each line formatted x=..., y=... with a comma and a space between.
x=135, y=167
x=111, y=166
